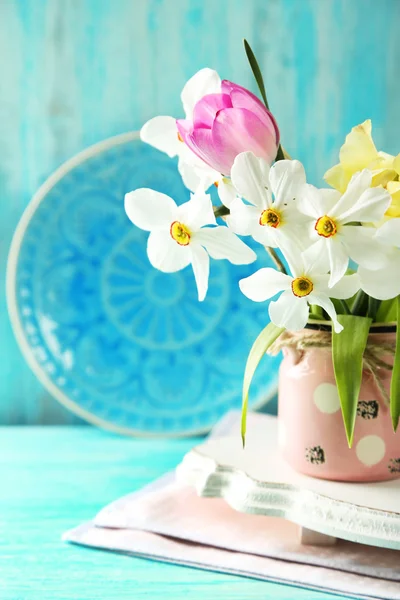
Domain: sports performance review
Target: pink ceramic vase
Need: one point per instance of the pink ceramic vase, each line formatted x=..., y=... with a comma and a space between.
x=311, y=431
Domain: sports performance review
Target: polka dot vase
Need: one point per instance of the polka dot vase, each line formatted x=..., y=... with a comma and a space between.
x=312, y=437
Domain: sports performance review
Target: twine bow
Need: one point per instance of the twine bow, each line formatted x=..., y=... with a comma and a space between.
x=372, y=359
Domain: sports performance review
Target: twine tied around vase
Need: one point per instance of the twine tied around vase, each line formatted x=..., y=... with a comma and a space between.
x=372, y=359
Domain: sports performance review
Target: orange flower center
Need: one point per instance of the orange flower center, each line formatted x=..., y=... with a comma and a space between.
x=326, y=227
x=302, y=286
x=270, y=217
x=180, y=233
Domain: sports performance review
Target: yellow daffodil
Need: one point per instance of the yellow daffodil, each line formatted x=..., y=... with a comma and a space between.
x=359, y=152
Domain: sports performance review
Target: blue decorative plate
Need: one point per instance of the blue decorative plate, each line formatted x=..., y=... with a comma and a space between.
x=119, y=343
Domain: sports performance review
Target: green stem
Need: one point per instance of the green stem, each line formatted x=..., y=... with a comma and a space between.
x=360, y=303
x=221, y=211
x=373, y=306
x=278, y=263
x=345, y=307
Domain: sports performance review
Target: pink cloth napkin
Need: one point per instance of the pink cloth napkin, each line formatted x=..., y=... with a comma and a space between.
x=167, y=521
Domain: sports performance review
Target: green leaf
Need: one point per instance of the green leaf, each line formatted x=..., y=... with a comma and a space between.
x=260, y=82
x=387, y=312
x=360, y=305
x=395, y=384
x=347, y=355
x=280, y=154
x=259, y=348
x=341, y=307
x=256, y=71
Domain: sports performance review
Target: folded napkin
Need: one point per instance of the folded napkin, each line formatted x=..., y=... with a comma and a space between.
x=167, y=521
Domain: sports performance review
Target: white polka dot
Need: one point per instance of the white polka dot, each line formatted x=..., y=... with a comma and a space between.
x=326, y=398
x=370, y=450
x=282, y=437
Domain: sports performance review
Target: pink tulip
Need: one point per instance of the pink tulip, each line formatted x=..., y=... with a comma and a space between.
x=226, y=124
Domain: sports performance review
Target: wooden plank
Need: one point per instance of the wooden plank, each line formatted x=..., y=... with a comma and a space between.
x=55, y=477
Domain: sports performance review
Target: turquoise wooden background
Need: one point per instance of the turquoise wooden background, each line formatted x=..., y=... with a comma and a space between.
x=73, y=72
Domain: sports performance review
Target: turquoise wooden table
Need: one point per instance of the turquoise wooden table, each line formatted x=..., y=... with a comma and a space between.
x=52, y=478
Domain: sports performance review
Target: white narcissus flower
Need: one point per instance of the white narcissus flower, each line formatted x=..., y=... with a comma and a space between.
x=162, y=133
x=272, y=216
x=178, y=236
x=307, y=285
x=335, y=220
x=384, y=283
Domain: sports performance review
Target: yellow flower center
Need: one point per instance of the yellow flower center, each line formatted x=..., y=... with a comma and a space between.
x=180, y=233
x=270, y=217
x=326, y=226
x=302, y=286
x=180, y=138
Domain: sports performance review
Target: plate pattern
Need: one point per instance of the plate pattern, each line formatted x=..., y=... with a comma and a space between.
x=120, y=343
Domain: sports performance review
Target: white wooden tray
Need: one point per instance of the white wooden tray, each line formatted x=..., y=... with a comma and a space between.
x=257, y=480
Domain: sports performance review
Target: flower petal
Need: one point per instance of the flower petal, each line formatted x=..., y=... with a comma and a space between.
x=323, y=300
x=370, y=207
x=359, y=149
x=162, y=133
x=243, y=217
x=221, y=242
x=338, y=259
x=345, y=288
x=201, y=269
x=165, y=254
x=316, y=202
x=362, y=246
x=357, y=153
x=196, y=174
x=316, y=259
x=197, y=212
x=293, y=254
x=383, y=177
x=396, y=164
x=190, y=176
x=237, y=130
x=226, y=191
x=150, y=210
x=287, y=179
x=289, y=311
x=337, y=178
x=383, y=283
x=200, y=142
x=264, y=284
x=359, y=183
x=243, y=98
x=250, y=177
x=207, y=107
x=393, y=187
x=205, y=81
x=389, y=233
x=266, y=236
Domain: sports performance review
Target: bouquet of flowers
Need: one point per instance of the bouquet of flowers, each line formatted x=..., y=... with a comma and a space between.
x=336, y=249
